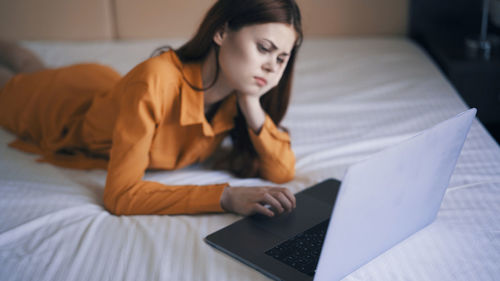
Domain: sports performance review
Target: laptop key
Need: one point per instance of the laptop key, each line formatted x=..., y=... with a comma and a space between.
x=303, y=250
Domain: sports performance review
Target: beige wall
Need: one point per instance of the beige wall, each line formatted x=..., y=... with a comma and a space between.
x=354, y=17
x=133, y=19
x=159, y=18
x=56, y=19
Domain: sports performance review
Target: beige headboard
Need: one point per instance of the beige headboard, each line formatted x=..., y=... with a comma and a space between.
x=138, y=19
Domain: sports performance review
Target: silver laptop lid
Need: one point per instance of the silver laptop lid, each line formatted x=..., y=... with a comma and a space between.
x=390, y=196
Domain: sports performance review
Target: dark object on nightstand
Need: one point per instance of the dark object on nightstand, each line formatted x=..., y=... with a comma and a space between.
x=442, y=29
x=481, y=45
x=475, y=78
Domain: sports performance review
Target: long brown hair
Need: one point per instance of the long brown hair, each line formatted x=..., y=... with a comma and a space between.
x=243, y=159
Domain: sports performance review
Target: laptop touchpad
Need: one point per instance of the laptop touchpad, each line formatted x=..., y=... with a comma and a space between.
x=309, y=212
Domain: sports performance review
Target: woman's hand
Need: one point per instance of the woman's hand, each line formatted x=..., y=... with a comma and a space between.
x=250, y=200
x=252, y=110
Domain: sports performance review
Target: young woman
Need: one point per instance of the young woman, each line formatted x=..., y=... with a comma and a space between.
x=172, y=110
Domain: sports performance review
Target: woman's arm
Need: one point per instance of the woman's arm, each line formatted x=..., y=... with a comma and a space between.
x=277, y=161
x=125, y=192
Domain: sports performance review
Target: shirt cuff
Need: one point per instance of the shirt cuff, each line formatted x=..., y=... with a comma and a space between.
x=268, y=134
x=211, y=199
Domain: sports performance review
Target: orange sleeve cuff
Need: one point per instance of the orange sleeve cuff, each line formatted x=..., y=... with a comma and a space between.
x=268, y=135
x=274, y=149
x=207, y=200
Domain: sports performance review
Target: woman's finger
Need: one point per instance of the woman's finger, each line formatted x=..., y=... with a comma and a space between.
x=275, y=204
x=290, y=196
x=258, y=208
x=285, y=202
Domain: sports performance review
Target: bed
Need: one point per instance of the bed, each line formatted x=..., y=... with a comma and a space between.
x=352, y=96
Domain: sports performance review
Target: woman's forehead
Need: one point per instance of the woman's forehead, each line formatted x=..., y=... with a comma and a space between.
x=281, y=34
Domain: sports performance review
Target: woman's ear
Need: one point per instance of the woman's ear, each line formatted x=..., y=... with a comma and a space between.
x=220, y=34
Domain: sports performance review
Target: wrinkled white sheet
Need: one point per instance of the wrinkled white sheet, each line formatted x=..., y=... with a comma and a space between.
x=351, y=98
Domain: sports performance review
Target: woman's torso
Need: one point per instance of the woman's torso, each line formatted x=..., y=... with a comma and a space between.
x=75, y=108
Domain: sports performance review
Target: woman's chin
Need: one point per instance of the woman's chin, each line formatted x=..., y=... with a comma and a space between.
x=254, y=91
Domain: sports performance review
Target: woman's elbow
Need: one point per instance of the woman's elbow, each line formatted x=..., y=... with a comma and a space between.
x=280, y=175
x=110, y=204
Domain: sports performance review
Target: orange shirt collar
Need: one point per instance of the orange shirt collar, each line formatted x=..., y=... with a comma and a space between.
x=192, y=102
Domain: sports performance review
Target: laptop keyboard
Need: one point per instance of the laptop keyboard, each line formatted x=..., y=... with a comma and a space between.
x=302, y=251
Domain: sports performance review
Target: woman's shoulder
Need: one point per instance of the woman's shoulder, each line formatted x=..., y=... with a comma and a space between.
x=160, y=70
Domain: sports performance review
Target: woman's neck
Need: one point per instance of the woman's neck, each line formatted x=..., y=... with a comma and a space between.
x=220, y=89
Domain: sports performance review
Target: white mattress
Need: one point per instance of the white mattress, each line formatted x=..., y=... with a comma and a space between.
x=352, y=97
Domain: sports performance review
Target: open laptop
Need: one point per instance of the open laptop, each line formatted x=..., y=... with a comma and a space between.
x=336, y=228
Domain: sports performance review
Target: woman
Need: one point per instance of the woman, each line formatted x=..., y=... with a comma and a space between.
x=172, y=110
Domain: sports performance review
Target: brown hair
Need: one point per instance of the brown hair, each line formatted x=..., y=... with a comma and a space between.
x=243, y=159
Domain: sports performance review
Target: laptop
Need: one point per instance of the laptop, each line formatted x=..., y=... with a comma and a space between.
x=338, y=227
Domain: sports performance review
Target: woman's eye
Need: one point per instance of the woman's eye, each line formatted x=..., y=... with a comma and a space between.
x=280, y=60
x=262, y=48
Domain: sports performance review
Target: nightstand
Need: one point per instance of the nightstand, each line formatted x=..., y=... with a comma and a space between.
x=477, y=80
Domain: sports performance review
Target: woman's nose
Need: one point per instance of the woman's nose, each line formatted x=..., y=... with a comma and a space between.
x=269, y=66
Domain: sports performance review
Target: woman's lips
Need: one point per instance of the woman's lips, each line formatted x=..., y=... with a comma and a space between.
x=260, y=81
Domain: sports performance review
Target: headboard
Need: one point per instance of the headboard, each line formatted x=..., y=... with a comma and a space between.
x=139, y=19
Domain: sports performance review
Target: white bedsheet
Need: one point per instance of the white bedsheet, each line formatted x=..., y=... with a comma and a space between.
x=351, y=98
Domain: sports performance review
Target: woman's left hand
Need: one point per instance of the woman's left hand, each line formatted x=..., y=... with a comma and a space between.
x=252, y=110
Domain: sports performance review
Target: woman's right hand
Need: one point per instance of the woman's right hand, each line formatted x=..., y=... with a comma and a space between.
x=250, y=200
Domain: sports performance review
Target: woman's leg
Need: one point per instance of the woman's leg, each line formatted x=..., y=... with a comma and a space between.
x=18, y=59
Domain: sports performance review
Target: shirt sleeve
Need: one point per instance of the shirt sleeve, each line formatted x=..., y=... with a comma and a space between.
x=125, y=192
x=277, y=160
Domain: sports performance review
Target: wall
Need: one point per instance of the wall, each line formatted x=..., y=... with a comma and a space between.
x=136, y=19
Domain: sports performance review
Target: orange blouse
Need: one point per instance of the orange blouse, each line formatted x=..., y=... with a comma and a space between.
x=86, y=116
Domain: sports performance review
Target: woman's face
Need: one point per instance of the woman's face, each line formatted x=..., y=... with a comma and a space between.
x=252, y=59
